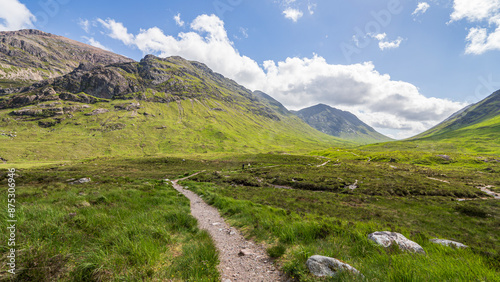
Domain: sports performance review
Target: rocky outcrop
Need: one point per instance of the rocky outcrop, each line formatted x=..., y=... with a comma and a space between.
x=325, y=266
x=32, y=55
x=448, y=243
x=386, y=239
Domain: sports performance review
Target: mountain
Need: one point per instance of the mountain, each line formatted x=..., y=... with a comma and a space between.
x=152, y=107
x=479, y=116
x=271, y=102
x=476, y=128
x=341, y=124
x=31, y=55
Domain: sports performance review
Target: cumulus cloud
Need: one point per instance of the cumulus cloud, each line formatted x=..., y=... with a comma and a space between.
x=178, y=20
x=487, y=12
x=475, y=10
x=422, y=7
x=299, y=82
x=91, y=41
x=117, y=31
x=293, y=14
x=14, y=15
x=383, y=43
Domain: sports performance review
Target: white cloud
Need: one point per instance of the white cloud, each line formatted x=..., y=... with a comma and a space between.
x=91, y=41
x=311, y=7
x=383, y=43
x=178, y=20
x=479, y=39
x=118, y=31
x=386, y=104
x=244, y=32
x=422, y=7
x=14, y=15
x=85, y=25
x=475, y=10
x=293, y=14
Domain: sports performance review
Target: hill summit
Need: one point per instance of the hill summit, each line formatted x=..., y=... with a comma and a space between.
x=340, y=123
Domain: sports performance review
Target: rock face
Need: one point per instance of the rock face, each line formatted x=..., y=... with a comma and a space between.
x=448, y=243
x=325, y=266
x=33, y=55
x=386, y=239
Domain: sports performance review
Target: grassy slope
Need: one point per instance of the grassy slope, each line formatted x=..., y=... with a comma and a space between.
x=474, y=130
x=114, y=228
x=207, y=113
x=188, y=127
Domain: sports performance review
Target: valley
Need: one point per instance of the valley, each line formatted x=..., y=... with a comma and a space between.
x=104, y=145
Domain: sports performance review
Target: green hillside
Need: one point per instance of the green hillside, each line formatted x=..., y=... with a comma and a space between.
x=156, y=106
x=474, y=129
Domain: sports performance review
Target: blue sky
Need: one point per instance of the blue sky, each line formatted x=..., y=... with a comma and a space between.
x=401, y=66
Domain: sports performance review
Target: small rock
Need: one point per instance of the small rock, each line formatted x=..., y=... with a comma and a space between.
x=445, y=157
x=72, y=214
x=448, y=243
x=84, y=204
x=245, y=252
x=97, y=112
x=326, y=266
x=81, y=181
x=353, y=186
x=216, y=223
x=387, y=238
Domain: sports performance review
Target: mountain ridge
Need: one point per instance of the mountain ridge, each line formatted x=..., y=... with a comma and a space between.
x=340, y=124
x=31, y=55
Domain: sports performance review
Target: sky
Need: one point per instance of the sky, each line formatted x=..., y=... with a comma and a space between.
x=400, y=66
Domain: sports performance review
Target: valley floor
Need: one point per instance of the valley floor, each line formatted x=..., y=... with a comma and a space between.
x=127, y=223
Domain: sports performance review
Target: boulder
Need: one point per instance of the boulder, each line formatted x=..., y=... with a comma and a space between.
x=326, y=266
x=448, y=243
x=386, y=239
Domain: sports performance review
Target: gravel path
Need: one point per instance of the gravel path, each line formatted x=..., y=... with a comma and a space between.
x=240, y=260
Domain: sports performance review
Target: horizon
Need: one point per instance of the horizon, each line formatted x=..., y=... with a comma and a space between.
x=309, y=58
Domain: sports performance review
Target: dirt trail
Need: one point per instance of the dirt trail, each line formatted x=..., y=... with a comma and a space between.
x=240, y=260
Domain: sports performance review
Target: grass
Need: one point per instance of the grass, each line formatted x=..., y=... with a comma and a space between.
x=128, y=225
x=108, y=229
x=267, y=216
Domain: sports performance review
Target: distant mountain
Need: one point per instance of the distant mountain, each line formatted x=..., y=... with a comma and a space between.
x=31, y=55
x=479, y=116
x=341, y=124
x=475, y=128
x=155, y=106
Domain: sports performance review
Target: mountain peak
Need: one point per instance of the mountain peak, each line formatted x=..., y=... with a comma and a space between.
x=340, y=123
x=31, y=55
